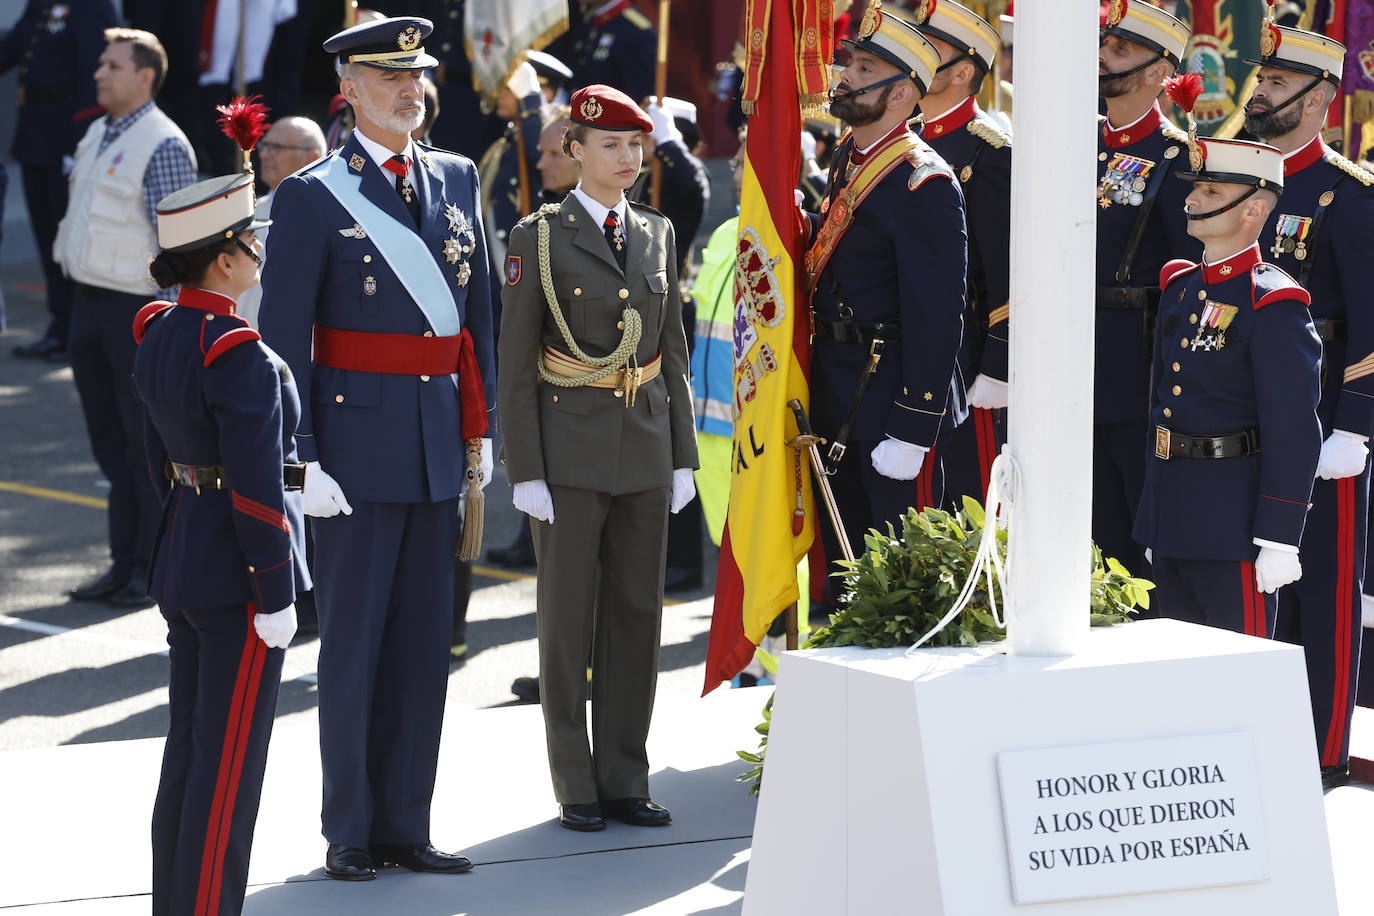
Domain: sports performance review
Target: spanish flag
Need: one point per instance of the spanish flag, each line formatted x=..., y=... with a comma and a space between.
x=770, y=522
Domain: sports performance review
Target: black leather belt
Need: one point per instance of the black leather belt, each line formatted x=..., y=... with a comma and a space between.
x=1128, y=297
x=211, y=477
x=27, y=95
x=90, y=293
x=1329, y=329
x=855, y=332
x=1169, y=444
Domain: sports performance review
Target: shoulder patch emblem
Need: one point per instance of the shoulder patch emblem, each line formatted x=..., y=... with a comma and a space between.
x=512, y=269
x=988, y=133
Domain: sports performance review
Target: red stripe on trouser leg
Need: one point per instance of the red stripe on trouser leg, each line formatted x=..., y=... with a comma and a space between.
x=1247, y=597
x=217, y=828
x=1345, y=599
x=987, y=445
x=1261, y=624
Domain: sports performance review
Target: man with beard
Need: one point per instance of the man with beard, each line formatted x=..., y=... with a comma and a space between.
x=980, y=154
x=377, y=294
x=886, y=272
x=1321, y=234
x=1140, y=226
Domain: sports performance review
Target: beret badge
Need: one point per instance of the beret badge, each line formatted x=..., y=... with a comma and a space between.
x=591, y=109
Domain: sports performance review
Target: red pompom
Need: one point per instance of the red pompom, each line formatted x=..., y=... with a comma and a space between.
x=1184, y=89
x=243, y=120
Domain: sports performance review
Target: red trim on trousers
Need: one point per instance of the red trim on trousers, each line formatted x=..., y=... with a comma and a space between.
x=1345, y=600
x=1252, y=602
x=924, y=484
x=236, y=734
x=986, y=434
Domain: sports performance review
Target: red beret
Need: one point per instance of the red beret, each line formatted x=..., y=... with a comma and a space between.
x=606, y=108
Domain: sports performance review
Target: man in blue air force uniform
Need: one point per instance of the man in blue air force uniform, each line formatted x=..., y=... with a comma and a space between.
x=1234, y=406
x=1322, y=233
x=978, y=152
x=887, y=273
x=1140, y=226
x=377, y=258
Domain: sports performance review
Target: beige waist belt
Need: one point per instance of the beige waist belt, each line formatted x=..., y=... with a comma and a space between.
x=625, y=381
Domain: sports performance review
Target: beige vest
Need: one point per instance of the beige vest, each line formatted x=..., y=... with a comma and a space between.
x=106, y=239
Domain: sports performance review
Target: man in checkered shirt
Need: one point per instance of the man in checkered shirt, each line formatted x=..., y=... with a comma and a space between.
x=128, y=160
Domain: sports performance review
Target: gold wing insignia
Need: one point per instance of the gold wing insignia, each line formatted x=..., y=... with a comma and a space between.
x=988, y=133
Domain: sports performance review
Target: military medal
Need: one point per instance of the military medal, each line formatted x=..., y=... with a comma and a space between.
x=452, y=249
x=618, y=234
x=966, y=173
x=406, y=190
x=1290, y=236
x=1326, y=198
x=369, y=286
x=464, y=273
x=1211, y=328
x=1124, y=181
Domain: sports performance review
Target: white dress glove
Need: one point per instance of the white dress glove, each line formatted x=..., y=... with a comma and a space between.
x=1367, y=610
x=684, y=488
x=987, y=393
x=898, y=460
x=524, y=81
x=533, y=498
x=1276, y=566
x=1343, y=455
x=277, y=628
x=322, y=496
x=484, y=465
x=808, y=145
x=664, y=128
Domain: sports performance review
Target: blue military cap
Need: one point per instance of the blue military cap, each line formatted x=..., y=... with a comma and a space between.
x=386, y=44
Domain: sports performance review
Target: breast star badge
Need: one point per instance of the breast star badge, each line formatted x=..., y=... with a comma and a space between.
x=464, y=273
x=458, y=222
x=452, y=249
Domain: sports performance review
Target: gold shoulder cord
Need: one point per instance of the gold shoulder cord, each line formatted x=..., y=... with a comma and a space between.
x=619, y=359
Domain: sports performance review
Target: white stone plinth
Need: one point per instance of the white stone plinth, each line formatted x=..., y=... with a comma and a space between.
x=881, y=792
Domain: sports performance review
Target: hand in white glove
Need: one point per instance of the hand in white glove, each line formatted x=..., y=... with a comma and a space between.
x=1276, y=566
x=808, y=146
x=684, y=488
x=898, y=460
x=322, y=496
x=524, y=81
x=1149, y=555
x=1367, y=610
x=533, y=498
x=987, y=393
x=484, y=465
x=276, y=629
x=1343, y=455
x=664, y=128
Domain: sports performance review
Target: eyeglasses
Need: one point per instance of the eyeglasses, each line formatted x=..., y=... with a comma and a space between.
x=272, y=149
x=248, y=250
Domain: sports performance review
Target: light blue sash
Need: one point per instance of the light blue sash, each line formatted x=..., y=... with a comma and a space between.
x=401, y=246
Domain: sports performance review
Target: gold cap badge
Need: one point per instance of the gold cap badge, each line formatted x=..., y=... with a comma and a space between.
x=591, y=109
x=409, y=39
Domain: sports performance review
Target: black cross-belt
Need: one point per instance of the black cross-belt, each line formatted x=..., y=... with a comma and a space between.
x=211, y=477
x=1127, y=297
x=1169, y=444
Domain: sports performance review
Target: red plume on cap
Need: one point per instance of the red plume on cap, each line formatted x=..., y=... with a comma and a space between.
x=244, y=120
x=1184, y=89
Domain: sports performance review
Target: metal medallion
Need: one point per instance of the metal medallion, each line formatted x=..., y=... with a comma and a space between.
x=1136, y=198
x=1138, y=184
x=1300, y=254
x=1289, y=245
x=464, y=273
x=1326, y=198
x=369, y=286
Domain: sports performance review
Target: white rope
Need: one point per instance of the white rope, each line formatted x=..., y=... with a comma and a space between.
x=1004, y=482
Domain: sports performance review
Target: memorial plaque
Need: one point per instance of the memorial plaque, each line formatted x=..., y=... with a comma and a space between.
x=1101, y=820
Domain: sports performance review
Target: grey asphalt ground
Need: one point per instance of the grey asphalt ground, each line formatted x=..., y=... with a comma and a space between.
x=74, y=672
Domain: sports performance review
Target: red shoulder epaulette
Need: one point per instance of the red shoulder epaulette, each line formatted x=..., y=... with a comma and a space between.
x=1173, y=270
x=228, y=341
x=1272, y=284
x=146, y=315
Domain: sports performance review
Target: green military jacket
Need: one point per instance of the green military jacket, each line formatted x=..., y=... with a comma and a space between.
x=587, y=437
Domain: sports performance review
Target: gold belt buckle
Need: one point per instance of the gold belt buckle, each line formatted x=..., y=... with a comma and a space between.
x=1161, y=443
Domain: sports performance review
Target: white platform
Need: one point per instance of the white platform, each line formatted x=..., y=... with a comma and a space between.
x=912, y=745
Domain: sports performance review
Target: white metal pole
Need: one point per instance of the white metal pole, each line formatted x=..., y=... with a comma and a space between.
x=1053, y=246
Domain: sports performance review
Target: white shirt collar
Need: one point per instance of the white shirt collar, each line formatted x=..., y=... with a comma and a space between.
x=597, y=211
x=380, y=154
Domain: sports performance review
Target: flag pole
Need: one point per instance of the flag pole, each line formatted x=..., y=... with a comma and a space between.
x=350, y=18
x=240, y=83
x=660, y=87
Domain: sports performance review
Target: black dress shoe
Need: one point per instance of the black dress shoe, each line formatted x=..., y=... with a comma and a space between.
x=348, y=863
x=526, y=688
x=518, y=553
x=680, y=579
x=40, y=349
x=131, y=597
x=419, y=857
x=581, y=817
x=637, y=812
x=100, y=588
x=1335, y=776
